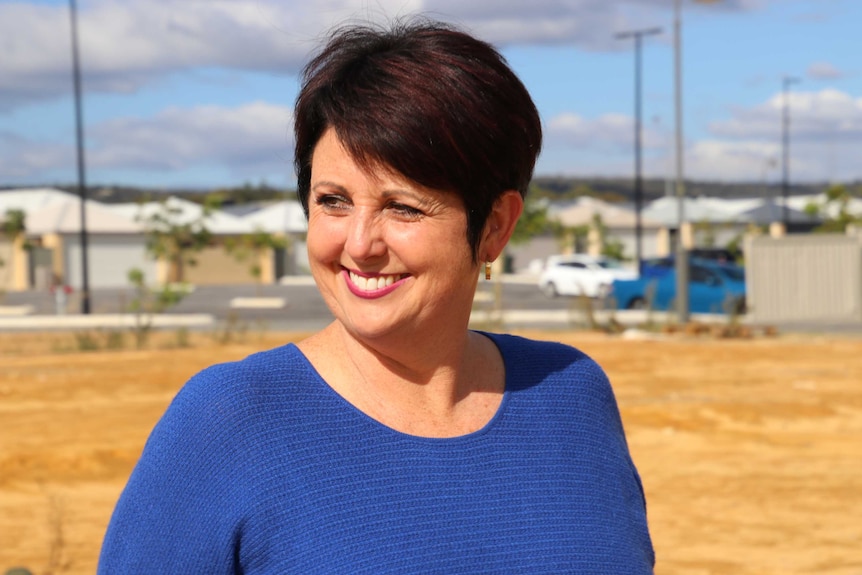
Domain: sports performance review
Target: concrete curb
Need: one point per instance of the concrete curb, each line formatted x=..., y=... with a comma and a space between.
x=258, y=303
x=577, y=317
x=561, y=318
x=103, y=321
x=15, y=310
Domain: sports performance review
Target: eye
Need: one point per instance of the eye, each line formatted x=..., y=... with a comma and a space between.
x=332, y=201
x=406, y=211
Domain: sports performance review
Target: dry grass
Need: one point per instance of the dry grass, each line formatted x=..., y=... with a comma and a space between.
x=750, y=450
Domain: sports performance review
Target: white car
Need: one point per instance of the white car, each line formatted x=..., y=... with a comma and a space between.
x=580, y=274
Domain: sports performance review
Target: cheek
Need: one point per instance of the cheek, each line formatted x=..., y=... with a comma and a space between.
x=323, y=239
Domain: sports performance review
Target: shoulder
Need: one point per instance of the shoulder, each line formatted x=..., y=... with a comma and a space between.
x=529, y=360
x=518, y=345
x=250, y=375
x=228, y=398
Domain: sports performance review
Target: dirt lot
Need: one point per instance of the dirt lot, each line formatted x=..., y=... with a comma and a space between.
x=750, y=450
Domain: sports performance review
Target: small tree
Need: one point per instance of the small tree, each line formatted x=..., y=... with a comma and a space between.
x=13, y=226
x=250, y=248
x=14, y=223
x=834, y=210
x=176, y=240
x=574, y=238
x=147, y=302
x=611, y=247
x=534, y=221
x=734, y=246
x=705, y=231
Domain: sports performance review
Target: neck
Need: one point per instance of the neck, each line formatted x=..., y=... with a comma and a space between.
x=436, y=386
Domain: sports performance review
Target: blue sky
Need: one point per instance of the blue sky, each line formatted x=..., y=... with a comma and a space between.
x=198, y=93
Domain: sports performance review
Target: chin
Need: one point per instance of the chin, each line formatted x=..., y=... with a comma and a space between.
x=367, y=332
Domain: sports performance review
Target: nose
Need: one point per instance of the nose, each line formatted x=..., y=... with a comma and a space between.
x=365, y=235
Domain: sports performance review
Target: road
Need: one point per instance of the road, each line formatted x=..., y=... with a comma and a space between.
x=296, y=304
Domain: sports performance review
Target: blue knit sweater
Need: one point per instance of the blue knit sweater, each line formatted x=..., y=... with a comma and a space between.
x=258, y=467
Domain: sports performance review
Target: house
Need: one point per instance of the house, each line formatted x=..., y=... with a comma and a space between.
x=49, y=250
x=706, y=222
x=284, y=219
x=115, y=245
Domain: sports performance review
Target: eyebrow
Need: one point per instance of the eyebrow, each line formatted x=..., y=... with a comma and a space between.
x=329, y=184
x=386, y=194
x=421, y=200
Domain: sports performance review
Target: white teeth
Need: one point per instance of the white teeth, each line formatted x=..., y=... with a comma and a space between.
x=372, y=284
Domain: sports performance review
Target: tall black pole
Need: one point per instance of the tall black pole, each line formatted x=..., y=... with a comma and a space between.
x=785, y=151
x=638, y=37
x=82, y=176
x=681, y=263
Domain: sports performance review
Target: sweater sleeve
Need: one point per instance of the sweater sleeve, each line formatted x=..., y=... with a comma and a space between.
x=181, y=510
x=578, y=393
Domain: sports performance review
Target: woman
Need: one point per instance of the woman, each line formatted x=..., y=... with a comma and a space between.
x=395, y=440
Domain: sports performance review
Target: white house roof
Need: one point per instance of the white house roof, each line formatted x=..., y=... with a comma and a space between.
x=735, y=206
x=32, y=199
x=771, y=210
x=217, y=222
x=284, y=217
x=65, y=218
x=854, y=206
x=716, y=210
x=585, y=208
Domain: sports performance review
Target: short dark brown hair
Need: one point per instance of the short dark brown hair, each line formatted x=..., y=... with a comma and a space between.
x=433, y=103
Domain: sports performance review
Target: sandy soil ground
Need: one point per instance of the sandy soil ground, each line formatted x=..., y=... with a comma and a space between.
x=750, y=450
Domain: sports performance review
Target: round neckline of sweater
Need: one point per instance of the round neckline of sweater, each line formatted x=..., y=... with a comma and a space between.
x=380, y=426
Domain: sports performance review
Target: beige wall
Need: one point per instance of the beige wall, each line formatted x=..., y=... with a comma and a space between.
x=16, y=264
x=54, y=242
x=215, y=266
x=6, y=272
x=804, y=277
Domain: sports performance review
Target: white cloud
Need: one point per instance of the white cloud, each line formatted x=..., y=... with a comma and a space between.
x=727, y=161
x=823, y=115
x=22, y=159
x=128, y=44
x=825, y=134
x=608, y=131
x=251, y=139
x=761, y=161
x=125, y=45
x=824, y=71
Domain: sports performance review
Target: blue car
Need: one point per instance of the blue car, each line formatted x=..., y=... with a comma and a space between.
x=713, y=288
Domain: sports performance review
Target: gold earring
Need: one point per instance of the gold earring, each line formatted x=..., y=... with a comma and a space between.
x=487, y=270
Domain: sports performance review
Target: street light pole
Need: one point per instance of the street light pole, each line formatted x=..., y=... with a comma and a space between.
x=681, y=260
x=785, y=147
x=638, y=37
x=681, y=257
x=82, y=179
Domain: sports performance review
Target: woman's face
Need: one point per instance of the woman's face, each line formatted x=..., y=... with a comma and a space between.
x=389, y=256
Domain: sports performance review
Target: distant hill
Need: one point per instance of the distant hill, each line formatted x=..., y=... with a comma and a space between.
x=131, y=194
x=609, y=189
x=622, y=189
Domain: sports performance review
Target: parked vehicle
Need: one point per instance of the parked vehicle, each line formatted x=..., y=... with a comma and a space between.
x=657, y=267
x=719, y=255
x=581, y=274
x=713, y=288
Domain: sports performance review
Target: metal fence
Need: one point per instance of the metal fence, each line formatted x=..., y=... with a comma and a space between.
x=799, y=278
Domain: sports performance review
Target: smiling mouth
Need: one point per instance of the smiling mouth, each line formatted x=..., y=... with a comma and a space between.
x=374, y=283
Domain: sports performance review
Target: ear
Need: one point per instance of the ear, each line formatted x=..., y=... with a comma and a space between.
x=501, y=224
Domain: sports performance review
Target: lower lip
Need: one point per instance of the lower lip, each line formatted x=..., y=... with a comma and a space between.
x=370, y=294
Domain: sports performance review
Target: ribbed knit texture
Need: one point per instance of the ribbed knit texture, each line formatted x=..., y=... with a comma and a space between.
x=259, y=467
